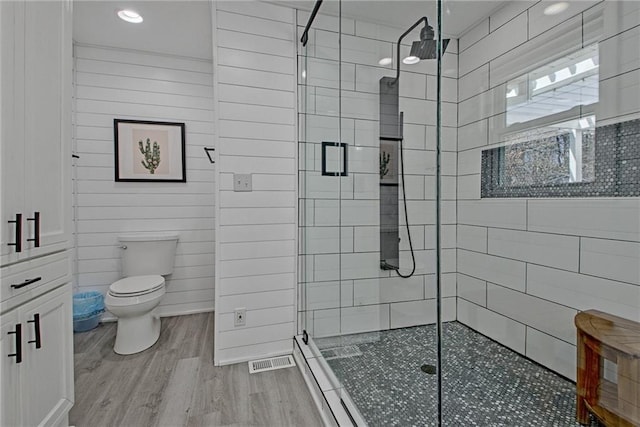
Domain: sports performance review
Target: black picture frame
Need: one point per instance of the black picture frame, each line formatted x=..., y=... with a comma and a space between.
x=149, y=151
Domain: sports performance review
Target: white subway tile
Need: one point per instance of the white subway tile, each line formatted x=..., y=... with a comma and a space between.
x=474, y=83
x=469, y=161
x=325, y=267
x=557, y=41
x=360, y=212
x=414, y=136
x=473, y=135
x=502, y=271
x=611, y=259
x=364, y=318
x=483, y=105
x=584, y=292
x=548, y=317
x=359, y=265
x=539, y=22
x=495, y=44
x=327, y=22
x=540, y=248
x=619, y=96
x=551, y=352
x=448, y=90
x=469, y=187
x=494, y=213
x=606, y=218
x=472, y=289
x=362, y=50
x=507, y=12
x=474, y=35
x=366, y=239
x=321, y=295
x=620, y=16
x=326, y=323
x=472, y=238
x=502, y=329
x=415, y=313
x=387, y=289
x=620, y=54
x=367, y=133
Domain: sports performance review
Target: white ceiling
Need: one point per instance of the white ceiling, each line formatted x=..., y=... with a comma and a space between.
x=183, y=27
x=177, y=27
x=458, y=15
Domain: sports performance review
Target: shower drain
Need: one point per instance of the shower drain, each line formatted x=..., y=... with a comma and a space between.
x=428, y=369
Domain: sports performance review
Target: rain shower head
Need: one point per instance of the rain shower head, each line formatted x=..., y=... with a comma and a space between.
x=426, y=47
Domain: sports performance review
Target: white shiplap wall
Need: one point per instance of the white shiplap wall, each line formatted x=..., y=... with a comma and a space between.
x=255, y=90
x=116, y=83
x=527, y=266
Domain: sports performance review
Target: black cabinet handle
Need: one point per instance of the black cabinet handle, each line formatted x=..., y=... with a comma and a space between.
x=18, y=223
x=18, y=334
x=36, y=330
x=26, y=283
x=36, y=229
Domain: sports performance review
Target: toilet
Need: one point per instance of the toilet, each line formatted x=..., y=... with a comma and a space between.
x=145, y=259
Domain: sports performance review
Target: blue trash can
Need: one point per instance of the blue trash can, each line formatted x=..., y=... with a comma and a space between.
x=87, y=310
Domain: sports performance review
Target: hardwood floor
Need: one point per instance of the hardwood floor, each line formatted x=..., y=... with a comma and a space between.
x=174, y=383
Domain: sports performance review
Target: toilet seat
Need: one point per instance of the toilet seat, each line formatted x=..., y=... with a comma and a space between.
x=136, y=286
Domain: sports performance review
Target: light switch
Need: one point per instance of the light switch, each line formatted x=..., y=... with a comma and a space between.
x=241, y=182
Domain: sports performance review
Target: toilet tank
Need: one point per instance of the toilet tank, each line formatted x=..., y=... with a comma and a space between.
x=144, y=254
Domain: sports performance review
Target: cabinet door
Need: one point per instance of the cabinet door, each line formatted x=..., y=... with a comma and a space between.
x=9, y=369
x=47, y=93
x=11, y=126
x=47, y=372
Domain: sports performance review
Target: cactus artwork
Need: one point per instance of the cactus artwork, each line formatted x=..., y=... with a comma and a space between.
x=151, y=155
x=384, y=163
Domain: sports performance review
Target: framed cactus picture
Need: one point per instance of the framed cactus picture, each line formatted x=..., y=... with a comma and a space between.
x=149, y=151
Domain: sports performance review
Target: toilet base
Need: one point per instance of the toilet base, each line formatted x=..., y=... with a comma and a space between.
x=136, y=334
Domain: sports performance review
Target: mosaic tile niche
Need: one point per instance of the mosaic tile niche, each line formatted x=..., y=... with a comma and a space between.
x=616, y=169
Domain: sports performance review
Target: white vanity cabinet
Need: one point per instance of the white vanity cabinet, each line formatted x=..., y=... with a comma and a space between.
x=36, y=346
x=35, y=127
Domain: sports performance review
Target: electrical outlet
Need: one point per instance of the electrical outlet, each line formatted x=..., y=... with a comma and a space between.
x=239, y=317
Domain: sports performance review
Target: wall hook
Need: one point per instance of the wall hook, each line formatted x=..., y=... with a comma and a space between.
x=208, y=150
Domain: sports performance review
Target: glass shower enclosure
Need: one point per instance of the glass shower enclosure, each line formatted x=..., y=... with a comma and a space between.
x=461, y=201
x=368, y=191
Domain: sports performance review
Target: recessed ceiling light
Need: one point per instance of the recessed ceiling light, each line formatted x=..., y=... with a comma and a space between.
x=130, y=16
x=556, y=8
x=410, y=60
x=385, y=61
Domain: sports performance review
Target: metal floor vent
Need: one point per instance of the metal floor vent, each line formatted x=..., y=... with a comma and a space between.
x=271, y=363
x=341, y=352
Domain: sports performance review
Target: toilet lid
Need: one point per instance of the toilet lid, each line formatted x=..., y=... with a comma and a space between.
x=136, y=285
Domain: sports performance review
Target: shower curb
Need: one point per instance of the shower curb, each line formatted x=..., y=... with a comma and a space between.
x=335, y=410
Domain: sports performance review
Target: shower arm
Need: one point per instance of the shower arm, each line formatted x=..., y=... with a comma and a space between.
x=426, y=21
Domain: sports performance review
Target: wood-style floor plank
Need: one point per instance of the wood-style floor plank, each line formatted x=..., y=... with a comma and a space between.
x=174, y=383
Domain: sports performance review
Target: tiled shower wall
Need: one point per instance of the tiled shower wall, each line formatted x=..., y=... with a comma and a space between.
x=527, y=266
x=341, y=286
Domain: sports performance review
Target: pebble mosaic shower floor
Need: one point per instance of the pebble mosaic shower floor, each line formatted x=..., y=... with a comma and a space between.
x=484, y=383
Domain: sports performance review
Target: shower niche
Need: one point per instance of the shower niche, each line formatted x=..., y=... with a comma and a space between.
x=390, y=137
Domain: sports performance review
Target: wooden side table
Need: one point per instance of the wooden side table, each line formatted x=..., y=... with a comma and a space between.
x=605, y=336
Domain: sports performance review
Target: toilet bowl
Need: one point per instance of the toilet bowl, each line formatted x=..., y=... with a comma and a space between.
x=133, y=300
